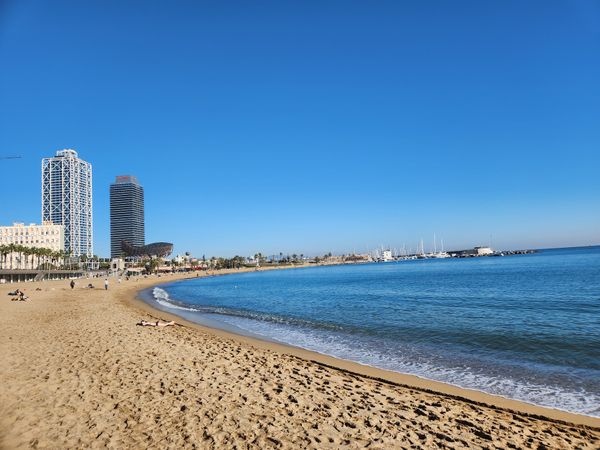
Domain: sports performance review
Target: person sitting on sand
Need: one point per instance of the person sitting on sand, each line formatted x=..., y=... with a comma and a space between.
x=158, y=323
x=21, y=297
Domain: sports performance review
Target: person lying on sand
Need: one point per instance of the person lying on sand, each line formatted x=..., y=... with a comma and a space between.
x=158, y=323
x=21, y=297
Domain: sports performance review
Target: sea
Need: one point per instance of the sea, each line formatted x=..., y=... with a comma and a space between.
x=526, y=327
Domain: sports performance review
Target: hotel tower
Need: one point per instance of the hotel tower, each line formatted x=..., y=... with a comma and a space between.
x=67, y=200
x=126, y=214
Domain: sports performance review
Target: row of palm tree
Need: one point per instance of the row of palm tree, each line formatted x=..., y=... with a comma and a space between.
x=27, y=257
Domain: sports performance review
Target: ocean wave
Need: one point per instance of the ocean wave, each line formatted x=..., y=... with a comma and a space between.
x=162, y=297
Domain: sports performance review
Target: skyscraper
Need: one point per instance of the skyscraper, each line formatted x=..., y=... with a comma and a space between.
x=126, y=214
x=67, y=199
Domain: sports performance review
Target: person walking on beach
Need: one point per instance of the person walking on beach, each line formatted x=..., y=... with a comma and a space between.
x=106, y=284
x=72, y=283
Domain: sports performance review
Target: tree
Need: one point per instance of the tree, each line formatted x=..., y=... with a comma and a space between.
x=19, y=249
x=26, y=252
x=3, y=255
x=152, y=265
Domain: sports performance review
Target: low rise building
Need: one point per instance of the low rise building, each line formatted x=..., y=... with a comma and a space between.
x=46, y=235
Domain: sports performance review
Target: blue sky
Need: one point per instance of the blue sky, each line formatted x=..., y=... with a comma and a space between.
x=313, y=126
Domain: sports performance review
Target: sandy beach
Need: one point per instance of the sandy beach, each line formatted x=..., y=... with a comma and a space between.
x=76, y=372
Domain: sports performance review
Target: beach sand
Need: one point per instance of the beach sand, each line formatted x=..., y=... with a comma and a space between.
x=76, y=372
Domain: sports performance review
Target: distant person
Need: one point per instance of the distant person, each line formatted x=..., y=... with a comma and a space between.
x=158, y=323
x=72, y=283
x=21, y=297
x=106, y=284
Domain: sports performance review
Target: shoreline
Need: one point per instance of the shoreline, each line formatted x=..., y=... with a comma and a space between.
x=77, y=372
x=474, y=396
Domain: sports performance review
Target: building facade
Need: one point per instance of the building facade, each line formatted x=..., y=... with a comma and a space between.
x=126, y=214
x=47, y=235
x=67, y=200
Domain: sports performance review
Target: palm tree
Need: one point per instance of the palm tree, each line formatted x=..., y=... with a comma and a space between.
x=25, y=252
x=3, y=253
x=11, y=251
x=53, y=257
x=46, y=253
x=41, y=253
x=58, y=258
x=19, y=250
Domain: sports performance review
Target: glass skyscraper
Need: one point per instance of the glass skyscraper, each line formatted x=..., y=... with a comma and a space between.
x=67, y=199
x=126, y=214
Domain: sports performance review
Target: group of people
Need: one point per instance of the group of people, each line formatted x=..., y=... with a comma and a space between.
x=18, y=295
x=90, y=285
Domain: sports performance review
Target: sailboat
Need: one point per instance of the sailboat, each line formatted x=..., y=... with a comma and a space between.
x=440, y=254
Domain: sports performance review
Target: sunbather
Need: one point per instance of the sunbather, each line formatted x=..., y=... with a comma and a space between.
x=21, y=297
x=158, y=323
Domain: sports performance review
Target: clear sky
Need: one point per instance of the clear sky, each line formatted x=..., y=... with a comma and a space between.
x=313, y=126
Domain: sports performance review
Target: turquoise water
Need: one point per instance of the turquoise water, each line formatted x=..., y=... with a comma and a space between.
x=525, y=327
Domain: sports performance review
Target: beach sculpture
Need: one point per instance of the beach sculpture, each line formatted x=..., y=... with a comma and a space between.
x=160, y=249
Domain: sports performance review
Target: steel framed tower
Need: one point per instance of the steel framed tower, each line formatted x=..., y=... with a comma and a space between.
x=67, y=199
x=126, y=214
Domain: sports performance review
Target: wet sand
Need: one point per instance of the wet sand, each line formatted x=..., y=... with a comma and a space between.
x=77, y=372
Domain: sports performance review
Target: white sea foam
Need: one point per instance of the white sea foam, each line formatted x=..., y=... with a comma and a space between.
x=162, y=298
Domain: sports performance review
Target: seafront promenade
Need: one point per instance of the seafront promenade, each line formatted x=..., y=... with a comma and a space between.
x=77, y=372
x=29, y=275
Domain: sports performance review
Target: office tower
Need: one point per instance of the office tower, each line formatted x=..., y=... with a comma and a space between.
x=67, y=199
x=126, y=214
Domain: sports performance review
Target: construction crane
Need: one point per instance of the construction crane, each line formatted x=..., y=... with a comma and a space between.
x=10, y=157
